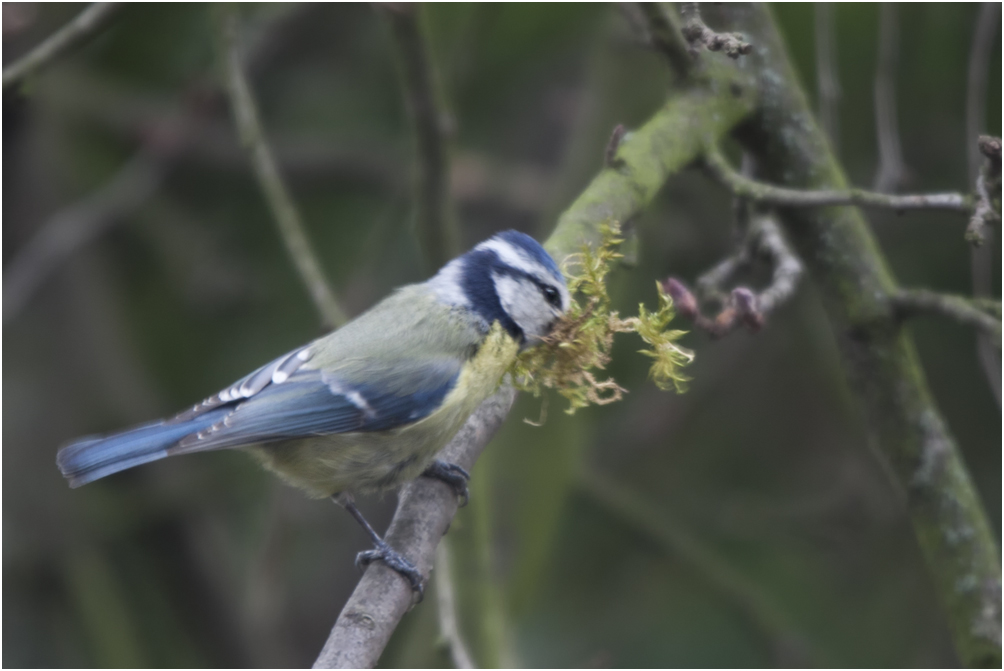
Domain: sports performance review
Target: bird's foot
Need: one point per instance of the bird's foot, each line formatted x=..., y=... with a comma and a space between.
x=396, y=561
x=452, y=475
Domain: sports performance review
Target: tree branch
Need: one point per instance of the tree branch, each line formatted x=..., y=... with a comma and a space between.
x=827, y=79
x=892, y=170
x=880, y=359
x=84, y=26
x=647, y=157
x=742, y=306
x=911, y=302
x=252, y=136
x=679, y=543
x=665, y=36
x=982, y=257
x=719, y=169
x=75, y=225
x=446, y=605
x=435, y=227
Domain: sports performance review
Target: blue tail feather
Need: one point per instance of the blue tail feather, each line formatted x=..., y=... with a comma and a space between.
x=92, y=458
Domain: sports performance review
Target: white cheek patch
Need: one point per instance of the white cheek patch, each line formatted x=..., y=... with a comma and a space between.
x=523, y=302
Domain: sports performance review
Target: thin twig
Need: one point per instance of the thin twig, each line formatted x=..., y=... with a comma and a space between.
x=892, y=170
x=72, y=227
x=446, y=604
x=697, y=34
x=719, y=169
x=287, y=217
x=435, y=226
x=742, y=306
x=981, y=256
x=827, y=79
x=680, y=543
x=665, y=35
x=84, y=26
x=965, y=310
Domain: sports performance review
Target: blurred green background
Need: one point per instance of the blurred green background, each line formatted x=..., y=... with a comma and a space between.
x=745, y=523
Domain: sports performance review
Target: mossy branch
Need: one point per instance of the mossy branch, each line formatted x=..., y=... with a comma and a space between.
x=856, y=284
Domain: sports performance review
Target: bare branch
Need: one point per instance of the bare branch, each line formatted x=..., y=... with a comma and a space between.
x=892, y=169
x=827, y=80
x=680, y=543
x=965, y=310
x=446, y=603
x=698, y=34
x=665, y=36
x=742, y=306
x=719, y=169
x=74, y=226
x=982, y=257
x=424, y=511
x=435, y=226
x=287, y=217
x=84, y=26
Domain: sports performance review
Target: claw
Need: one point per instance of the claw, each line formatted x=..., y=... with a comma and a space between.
x=395, y=561
x=453, y=475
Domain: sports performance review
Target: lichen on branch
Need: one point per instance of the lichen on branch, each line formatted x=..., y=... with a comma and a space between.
x=580, y=343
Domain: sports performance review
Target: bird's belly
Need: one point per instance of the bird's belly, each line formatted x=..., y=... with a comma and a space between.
x=375, y=461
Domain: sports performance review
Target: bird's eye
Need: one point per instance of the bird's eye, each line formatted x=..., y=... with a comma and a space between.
x=552, y=295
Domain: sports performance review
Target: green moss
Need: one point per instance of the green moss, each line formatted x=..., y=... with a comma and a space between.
x=581, y=341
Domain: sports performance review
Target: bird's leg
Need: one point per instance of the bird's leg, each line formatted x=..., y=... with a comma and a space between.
x=381, y=550
x=452, y=475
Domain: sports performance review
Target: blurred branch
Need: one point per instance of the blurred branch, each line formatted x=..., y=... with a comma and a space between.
x=74, y=226
x=880, y=360
x=962, y=309
x=665, y=35
x=446, y=604
x=680, y=544
x=892, y=170
x=663, y=146
x=827, y=80
x=435, y=226
x=719, y=169
x=982, y=257
x=281, y=203
x=84, y=26
x=742, y=306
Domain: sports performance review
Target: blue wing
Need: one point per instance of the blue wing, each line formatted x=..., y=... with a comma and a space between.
x=311, y=402
x=280, y=401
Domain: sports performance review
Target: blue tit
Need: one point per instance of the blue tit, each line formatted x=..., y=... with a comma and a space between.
x=367, y=407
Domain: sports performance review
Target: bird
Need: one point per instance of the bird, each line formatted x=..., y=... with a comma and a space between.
x=367, y=407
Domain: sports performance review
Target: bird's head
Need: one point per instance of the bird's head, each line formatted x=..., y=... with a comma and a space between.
x=508, y=278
